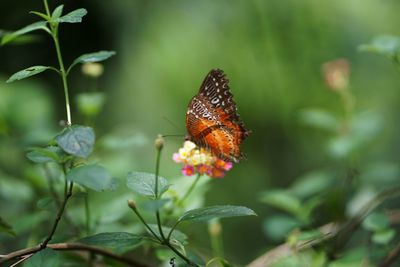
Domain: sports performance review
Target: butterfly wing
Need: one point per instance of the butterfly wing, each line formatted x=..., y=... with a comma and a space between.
x=212, y=120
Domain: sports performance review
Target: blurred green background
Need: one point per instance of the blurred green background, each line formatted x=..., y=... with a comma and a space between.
x=271, y=51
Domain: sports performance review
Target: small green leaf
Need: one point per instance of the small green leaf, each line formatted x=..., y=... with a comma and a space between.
x=312, y=183
x=376, y=221
x=277, y=227
x=6, y=228
x=208, y=213
x=383, y=236
x=387, y=45
x=47, y=203
x=92, y=57
x=282, y=200
x=153, y=205
x=143, y=183
x=319, y=119
x=40, y=25
x=74, y=16
x=57, y=12
x=77, y=140
x=44, y=258
x=94, y=177
x=44, y=155
x=40, y=14
x=176, y=234
x=22, y=74
x=117, y=241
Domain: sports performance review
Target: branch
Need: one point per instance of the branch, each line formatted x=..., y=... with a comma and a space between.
x=72, y=246
x=391, y=258
x=340, y=233
x=285, y=250
x=59, y=215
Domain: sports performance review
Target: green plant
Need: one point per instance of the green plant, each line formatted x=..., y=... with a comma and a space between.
x=68, y=154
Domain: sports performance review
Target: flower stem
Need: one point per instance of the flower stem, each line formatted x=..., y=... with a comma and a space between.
x=189, y=191
x=87, y=213
x=143, y=221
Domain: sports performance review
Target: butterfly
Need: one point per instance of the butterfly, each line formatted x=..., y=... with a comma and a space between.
x=212, y=120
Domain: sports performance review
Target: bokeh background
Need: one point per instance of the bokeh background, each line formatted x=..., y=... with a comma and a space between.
x=272, y=52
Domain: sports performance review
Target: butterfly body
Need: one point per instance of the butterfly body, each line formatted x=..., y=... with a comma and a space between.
x=212, y=120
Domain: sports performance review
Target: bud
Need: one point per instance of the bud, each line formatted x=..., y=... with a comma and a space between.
x=336, y=74
x=159, y=143
x=92, y=69
x=131, y=204
x=215, y=228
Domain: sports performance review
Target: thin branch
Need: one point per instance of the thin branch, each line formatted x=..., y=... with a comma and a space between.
x=285, y=250
x=58, y=218
x=391, y=258
x=73, y=246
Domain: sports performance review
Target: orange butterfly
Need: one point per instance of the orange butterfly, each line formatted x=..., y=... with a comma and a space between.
x=212, y=120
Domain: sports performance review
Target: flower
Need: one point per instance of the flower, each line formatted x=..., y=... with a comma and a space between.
x=336, y=74
x=201, y=161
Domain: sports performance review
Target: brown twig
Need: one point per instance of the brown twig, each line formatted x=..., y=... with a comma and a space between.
x=59, y=215
x=72, y=246
x=391, y=258
x=285, y=250
x=340, y=234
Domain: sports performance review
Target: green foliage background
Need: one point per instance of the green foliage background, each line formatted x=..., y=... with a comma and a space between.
x=272, y=52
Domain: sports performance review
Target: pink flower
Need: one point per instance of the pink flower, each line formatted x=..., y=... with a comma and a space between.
x=336, y=74
x=188, y=170
x=201, y=161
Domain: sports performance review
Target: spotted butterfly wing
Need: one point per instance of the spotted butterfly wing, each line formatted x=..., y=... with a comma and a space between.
x=212, y=120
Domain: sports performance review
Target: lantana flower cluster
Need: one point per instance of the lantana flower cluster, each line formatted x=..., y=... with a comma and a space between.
x=201, y=161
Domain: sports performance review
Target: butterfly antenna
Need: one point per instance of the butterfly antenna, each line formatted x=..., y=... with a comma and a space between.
x=175, y=126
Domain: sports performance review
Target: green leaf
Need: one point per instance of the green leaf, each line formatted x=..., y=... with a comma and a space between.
x=40, y=25
x=383, y=236
x=94, y=177
x=92, y=57
x=143, y=183
x=47, y=203
x=44, y=155
x=387, y=45
x=6, y=228
x=312, y=183
x=57, y=12
x=279, y=226
x=117, y=241
x=40, y=14
x=282, y=200
x=77, y=140
x=319, y=119
x=376, y=221
x=22, y=74
x=74, y=16
x=213, y=212
x=44, y=258
x=153, y=205
x=176, y=234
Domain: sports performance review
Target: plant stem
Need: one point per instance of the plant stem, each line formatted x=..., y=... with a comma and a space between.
x=156, y=193
x=72, y=246
x=59, y=215
x=145, y=224
x=87, y=213
x=63, y=73
x=157, y=172
x=189, y=191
